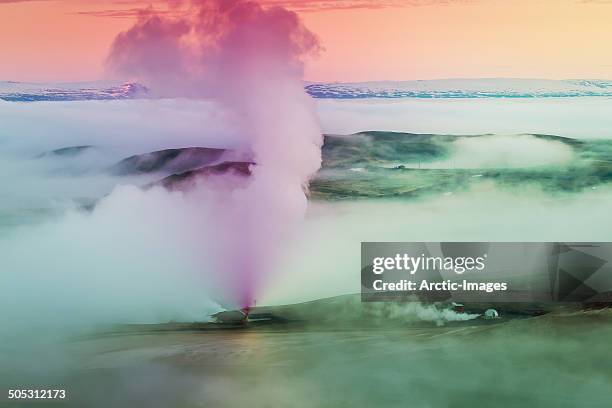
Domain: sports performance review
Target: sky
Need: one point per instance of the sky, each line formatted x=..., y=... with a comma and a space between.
x=363, y=40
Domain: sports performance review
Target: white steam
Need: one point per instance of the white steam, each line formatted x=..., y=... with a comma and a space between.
x=249, y=60
x=122, y=263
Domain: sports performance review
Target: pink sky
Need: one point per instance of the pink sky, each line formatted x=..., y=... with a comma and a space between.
x=67, y=40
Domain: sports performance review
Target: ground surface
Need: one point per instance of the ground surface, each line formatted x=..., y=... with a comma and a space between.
x=560, y=359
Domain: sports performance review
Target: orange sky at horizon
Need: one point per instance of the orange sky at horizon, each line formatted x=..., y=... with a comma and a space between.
x=50, y=40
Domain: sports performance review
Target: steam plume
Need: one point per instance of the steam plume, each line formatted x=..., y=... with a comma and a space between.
x=249, y=59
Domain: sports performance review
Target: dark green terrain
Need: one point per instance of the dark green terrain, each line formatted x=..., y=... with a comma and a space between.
x=365, y=165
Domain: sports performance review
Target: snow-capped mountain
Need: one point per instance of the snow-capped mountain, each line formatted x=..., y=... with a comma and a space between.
x=462, y=88
x=80, y=91
x=440, y=88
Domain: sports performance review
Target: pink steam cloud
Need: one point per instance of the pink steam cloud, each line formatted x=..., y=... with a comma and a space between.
x=249, y=59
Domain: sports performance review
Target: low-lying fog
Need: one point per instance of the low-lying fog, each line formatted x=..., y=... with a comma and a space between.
x=148, y=256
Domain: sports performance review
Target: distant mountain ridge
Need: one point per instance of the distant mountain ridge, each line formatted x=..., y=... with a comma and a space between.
x=27, y=92
x=463, y=88
x=426, y=89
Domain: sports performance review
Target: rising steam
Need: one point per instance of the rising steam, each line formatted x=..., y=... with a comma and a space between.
x=249, y=60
